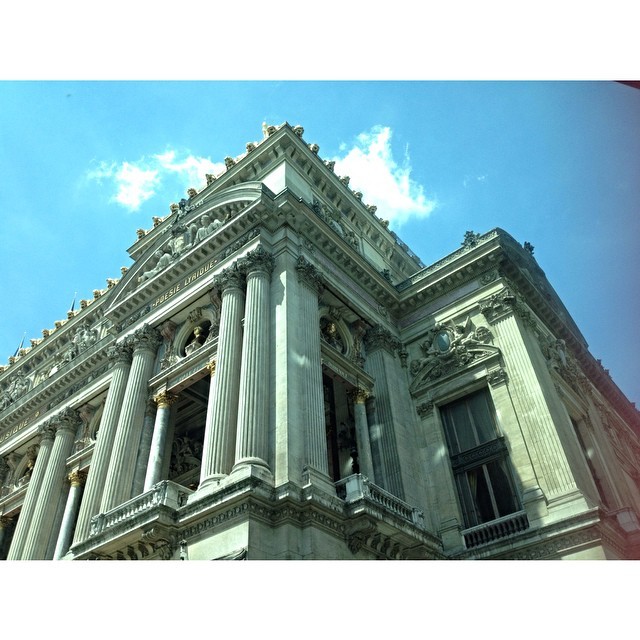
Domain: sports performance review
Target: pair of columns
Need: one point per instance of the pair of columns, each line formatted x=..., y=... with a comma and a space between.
x=113, y=464
x=236, y=432
x=236, y=429
x=35, y=526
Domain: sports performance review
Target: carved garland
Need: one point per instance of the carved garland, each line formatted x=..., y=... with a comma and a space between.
x=449, y=348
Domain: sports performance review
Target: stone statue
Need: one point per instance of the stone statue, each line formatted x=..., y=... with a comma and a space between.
x=329, y=333
x=197, y=341
x=163, y=261
x=207, y=228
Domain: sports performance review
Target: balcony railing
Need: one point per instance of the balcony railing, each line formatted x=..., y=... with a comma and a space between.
x=357, y=486
x=165, y=492
x=496, y=529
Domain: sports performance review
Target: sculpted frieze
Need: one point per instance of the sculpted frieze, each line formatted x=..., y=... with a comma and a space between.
x=17, y=387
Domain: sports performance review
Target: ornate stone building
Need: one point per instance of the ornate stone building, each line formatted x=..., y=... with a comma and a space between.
x=277, y=376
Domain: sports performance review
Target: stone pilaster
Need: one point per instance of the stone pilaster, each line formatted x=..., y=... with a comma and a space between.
x=544, y=447
x=66, y=424
x=253, y=411
x=387, y=371
x=120, y=355
x=313, y=422
x=119, y=478
x=23, y=526
x=164, y=400
x=359, y=398
x=222, y=411
x=76, y=481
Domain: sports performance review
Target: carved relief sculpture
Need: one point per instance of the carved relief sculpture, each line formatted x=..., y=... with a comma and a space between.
x=449, y=347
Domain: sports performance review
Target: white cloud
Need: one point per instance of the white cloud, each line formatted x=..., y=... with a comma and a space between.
x=136, y=182
x=384, y=183
x=191, y=167
x=135, y=185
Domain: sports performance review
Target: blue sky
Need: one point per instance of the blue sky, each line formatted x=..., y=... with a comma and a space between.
x=84, y=164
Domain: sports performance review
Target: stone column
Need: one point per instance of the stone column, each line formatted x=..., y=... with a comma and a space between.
x=144, y=450
x=120, y=355
x=76, y=481
x=158, y=451
x=37, y=475
x=5, y=525
x=359, y=397
x=65, y=424
x=119, y=478
x=252, y=444
x=311, y=383
x=222, y=411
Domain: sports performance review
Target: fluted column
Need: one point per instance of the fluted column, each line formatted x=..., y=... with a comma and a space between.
x=309, y=339
x=119, y=478
x=120, y=355
x=222, y=411
x=76, y=480
x=157, y=454
x=66, y=424
x=144, y=450
x=47, y=434
x=359, y=397
x=252, y=445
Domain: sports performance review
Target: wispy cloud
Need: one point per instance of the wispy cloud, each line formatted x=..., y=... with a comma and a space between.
x=383, y=182
x=136, y=182
x=469, y=179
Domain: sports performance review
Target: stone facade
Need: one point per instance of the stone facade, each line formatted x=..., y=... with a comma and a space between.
x=277, y=376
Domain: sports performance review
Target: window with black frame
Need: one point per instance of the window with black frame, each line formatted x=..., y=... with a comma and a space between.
x=480, y=459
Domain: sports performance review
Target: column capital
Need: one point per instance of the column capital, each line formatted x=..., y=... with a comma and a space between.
x=66, y=420
x=258, y=261
x=120, y=352
x=358, y=395
x=46, y=431
x=211, y=368
x=5, y=521
x=309, y=275
x=378, y=337
x=165, y=399
x=77, y=478
x=231, y=278
x=146, y=338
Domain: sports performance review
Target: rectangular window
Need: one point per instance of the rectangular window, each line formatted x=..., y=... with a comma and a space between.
x=479, y=459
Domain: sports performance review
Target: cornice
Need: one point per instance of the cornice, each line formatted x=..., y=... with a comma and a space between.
x=93, y=363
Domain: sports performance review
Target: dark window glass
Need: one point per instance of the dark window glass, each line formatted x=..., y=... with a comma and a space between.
x=483, y=475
